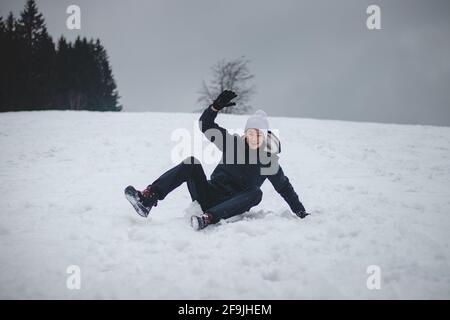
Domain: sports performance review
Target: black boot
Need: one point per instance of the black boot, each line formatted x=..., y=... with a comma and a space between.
x=149, y=197
x=201, y=222
x=142, y=202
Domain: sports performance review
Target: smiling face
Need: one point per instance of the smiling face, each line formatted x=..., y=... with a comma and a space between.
x=254, y=137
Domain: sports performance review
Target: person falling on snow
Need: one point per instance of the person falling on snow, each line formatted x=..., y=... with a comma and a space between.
x=235, y=183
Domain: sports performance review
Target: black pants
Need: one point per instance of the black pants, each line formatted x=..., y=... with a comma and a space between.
x=211, y=199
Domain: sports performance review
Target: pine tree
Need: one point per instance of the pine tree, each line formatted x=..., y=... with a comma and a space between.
x=12, y=70
x=38, y=52
x=2, y=63
x=36, y=75
x=62, y=74
x=107, y=95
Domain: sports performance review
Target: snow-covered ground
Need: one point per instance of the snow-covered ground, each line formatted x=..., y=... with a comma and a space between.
x=379, y=193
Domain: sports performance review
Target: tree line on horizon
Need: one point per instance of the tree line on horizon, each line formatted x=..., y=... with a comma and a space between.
x=36, y=74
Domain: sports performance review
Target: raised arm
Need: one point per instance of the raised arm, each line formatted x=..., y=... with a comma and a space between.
x=283, y=186
x=213, y=132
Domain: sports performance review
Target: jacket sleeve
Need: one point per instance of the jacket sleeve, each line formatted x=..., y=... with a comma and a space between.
x=282, y=185
x=212, y=131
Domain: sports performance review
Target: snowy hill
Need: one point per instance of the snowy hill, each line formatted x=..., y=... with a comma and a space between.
x=379, y=193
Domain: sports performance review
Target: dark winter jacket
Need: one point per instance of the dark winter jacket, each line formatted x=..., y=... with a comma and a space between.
x=241, y=167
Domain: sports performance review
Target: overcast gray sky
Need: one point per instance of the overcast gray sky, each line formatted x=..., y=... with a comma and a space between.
x=310, y=58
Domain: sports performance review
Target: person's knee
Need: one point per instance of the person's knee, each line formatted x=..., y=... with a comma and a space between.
x=192, y=166
x=191, y=161
x=256, y=195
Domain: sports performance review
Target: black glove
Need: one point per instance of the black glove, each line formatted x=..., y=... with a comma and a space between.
x=223, y=100
x=300, y=211
x=302, y=214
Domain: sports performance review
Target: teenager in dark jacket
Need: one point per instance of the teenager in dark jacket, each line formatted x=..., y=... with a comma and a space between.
x=235, y=183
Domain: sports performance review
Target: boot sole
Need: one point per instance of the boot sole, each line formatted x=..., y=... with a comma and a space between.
x=195, y=224
x=130, y=195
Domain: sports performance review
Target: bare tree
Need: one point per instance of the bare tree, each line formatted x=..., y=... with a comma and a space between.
x=230, y=75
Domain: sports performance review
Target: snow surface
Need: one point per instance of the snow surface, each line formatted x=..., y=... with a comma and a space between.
x=379, y=194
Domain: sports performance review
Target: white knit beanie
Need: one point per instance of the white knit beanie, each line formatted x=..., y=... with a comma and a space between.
x=258, y=121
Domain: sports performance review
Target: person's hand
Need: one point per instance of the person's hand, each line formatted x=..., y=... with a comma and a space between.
x=300, y=211
x=224, y=100
x=302, y=214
